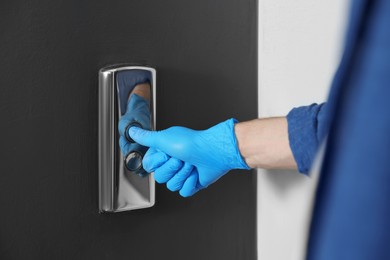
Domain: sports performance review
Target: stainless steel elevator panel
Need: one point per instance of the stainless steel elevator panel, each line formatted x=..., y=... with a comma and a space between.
x=120, y=189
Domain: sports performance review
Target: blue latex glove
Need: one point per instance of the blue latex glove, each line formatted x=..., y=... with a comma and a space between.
x=189, y=160
x=137, y=112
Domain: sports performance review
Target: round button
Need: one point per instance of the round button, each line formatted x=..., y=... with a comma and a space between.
x=133, y=161
x=134, y=123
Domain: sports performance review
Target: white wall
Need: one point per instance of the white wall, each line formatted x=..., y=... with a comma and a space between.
x=299, y=47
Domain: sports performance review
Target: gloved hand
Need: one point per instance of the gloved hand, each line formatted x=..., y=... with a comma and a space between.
x=190, y=160
x=137, y=113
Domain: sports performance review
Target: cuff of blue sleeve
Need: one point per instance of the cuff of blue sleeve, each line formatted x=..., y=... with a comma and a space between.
x=302, y=134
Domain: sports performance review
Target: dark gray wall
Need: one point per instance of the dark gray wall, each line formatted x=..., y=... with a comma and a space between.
x=50, y=53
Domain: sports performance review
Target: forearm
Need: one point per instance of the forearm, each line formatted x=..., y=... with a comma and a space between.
x=264, y=143
x=142, y=90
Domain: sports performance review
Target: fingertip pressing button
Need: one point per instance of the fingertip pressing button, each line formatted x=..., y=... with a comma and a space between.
x=127, y=130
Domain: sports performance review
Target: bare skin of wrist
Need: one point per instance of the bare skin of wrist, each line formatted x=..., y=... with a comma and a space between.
x=263, y=143
x=142, y=90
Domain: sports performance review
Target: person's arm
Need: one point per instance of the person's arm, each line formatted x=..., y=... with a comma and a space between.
x=289, y=142
x=264, y=143
x=189, y=160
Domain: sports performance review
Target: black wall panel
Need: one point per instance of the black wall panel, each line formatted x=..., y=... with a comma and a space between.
x=205, y=53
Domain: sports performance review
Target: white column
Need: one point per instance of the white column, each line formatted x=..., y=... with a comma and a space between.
x=300, y=43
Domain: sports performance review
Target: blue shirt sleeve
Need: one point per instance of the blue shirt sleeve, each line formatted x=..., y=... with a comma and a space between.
x=306, y=129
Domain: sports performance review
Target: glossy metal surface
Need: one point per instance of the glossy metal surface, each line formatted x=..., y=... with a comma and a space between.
x=119, y=188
